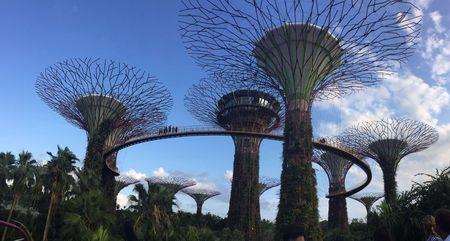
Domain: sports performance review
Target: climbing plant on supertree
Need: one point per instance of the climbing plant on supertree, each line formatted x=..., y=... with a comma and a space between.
x=305, y=50
x=235, y=106
x=111, y=101
x=387, y=142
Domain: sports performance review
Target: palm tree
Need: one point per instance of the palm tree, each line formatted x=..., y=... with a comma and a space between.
x=154, y=205
x=86, y=210
x=23, y=176
x=59, y=180
x=6, y=161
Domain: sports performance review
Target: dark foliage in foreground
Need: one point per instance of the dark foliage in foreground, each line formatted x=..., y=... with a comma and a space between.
x=80, y=213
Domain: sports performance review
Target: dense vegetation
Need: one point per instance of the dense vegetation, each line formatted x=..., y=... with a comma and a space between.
x=57, y=201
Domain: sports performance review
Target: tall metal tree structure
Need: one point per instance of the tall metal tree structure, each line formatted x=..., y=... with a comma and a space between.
x=387, y=142
x=336, y=168
x=306, y=50
x=367, y=199
x=111, y=101
x=266, y=183
x=200, y=196
x=123, y=182
x=234, y=106
x=173, y=184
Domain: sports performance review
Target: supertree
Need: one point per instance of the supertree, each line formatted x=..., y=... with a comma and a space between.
x=266, y=183
x=234, y=106
x=200, y=196
x=387, y=142
x=305, y=50
x=111, y=101
x=367, y=199
x=123, y=182
x=172, y=184
x=336, y=168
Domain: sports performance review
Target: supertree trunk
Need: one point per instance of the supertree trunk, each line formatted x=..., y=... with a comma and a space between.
x=95, y=148
x=337, y=211
x=390, y=184
x=199, y=208
x=109, y=186
x=95, y=163
x=243, y=213
x=298, y=195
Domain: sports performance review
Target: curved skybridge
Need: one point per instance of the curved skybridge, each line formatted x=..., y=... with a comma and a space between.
x=185, y=131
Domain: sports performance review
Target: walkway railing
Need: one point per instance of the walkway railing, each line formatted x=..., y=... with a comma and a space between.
x=21, y=230
x=183, y=131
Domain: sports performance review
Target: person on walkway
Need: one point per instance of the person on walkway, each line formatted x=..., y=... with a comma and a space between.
x=429, y=226
x=442, y=217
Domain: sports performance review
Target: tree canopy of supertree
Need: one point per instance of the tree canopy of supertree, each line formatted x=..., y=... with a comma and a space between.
x=367, y=199
x=387, y=142
x=123, y=182
x=200, y=196
x=111, y=101
x=266, y=183
x=172, y=184
x=305, y=50
x=218, y=101
x=336, y=168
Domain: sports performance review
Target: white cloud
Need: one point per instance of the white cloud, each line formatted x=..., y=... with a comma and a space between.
x=423, y=3
x=436, y=17
x=228, y=175
x=415, y=98
x=137, y=175
x=160, y=172
x=435, y=49
x=204, y=185
x=122, y=200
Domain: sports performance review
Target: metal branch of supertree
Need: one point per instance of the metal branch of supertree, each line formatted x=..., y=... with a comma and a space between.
x=200, y=194
x=336, y=167
x=222, y=99
x=123, y=182
x=266, y=183
x=172, y=183
x=388, y=141
x=305, y=49
x=367, y=199
x=86, y=91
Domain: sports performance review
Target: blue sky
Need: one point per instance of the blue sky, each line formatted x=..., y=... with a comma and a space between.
x=143, y=33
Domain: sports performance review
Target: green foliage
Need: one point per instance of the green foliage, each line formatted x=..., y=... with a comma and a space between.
x=154, y=206
x=23, y=174
x=88, y=212
x=403, y=217
x=339, y=235
x=6, y=162
x=58, y=180
x=358, y=229
x=191, y=233
x=209, y=221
